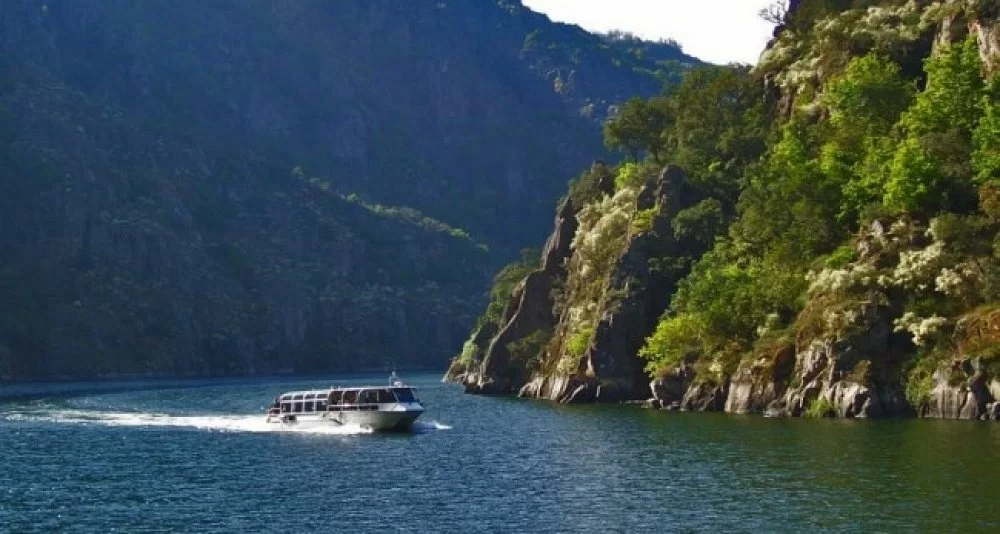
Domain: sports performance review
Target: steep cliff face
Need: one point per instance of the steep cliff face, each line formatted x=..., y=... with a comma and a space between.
x=890, y=307
x=854, y=351
x=861, y=361
x=856, y=354
x=573, y=328
x=233, y=187
x=818, y=39
x=487, y=365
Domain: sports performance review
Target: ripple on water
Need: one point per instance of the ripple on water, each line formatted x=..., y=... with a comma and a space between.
x=182, y=460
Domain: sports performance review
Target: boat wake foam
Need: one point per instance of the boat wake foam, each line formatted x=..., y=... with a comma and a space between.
x=427, y=426
x=222, y=423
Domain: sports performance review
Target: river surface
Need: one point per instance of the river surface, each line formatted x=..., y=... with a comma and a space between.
x=199, y=458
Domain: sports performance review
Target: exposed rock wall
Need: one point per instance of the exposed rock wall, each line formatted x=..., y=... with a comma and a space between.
x=609, y=370
x=963, y=391
x=981, y=19
x=857, y=371
x=529, y=310
x=749, y=392
x=988, y=33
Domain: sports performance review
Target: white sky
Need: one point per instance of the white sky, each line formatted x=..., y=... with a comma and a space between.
x=717, y=31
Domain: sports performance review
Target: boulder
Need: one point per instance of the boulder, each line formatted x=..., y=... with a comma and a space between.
x=954, y=397
x=671, y=388
x=851, y=399
x=705, y=397
x=748, y=393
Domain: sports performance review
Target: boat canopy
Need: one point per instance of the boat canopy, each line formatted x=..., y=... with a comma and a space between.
x=358, y=395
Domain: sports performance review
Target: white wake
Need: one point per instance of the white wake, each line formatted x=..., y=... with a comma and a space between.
x=430, y=425
x=222, y=423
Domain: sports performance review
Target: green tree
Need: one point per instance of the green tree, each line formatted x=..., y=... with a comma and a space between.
x=505, y=282
x=788, y=210
x=913, y=179
x=931, y=169
x=720, y=306
x=951, y=100
x=986, y=138
x=867, y=99
x=638, y=127
x=721, y=124
x=701, y=222
x=675, y=340
x=864, y=103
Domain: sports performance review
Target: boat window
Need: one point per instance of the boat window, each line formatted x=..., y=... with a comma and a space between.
x=405, y=395
x=368, y=396
x=297, y=397
x=385, y=396
x=298, y=407
x=309, y=406
x=286, y=407
x=286, y=397
x=320, y=406
x=350, y=397
x=336, y=397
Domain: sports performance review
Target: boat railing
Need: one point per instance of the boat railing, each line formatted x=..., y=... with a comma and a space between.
x=350, y=407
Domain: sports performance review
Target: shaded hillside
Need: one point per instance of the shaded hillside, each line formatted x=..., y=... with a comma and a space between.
x=822, y=243
x=229, y=187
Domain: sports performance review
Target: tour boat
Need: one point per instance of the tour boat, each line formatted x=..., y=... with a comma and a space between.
x=392, y=407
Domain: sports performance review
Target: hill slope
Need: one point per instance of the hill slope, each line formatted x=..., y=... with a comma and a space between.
x=231, y=187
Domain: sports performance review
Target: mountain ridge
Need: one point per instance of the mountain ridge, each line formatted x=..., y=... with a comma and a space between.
x=244, y=187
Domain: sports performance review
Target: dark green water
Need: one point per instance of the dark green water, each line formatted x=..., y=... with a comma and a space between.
x=201, y=459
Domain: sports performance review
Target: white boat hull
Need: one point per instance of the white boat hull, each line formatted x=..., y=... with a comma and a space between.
x=397, y=416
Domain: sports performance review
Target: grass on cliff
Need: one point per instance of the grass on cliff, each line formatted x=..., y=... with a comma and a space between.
x=920, y=376
x=820, y=407
x=529, y=350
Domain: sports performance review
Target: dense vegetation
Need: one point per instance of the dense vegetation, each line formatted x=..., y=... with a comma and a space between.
x=882, y=150
x=851, y=178
x=258, y=186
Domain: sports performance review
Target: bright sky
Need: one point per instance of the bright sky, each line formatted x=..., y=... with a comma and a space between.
x=717, y=31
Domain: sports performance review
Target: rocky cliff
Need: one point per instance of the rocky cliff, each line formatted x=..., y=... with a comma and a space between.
x=797, y=309
x=572, y=328
x=853, y=354
x=238, y=187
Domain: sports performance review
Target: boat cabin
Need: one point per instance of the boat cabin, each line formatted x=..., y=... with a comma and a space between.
x=340, y=399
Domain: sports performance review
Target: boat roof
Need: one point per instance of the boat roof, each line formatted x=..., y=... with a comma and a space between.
x=337, y=388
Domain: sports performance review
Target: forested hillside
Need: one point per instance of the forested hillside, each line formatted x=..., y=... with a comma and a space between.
x=275, y=185
x=815, y=236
